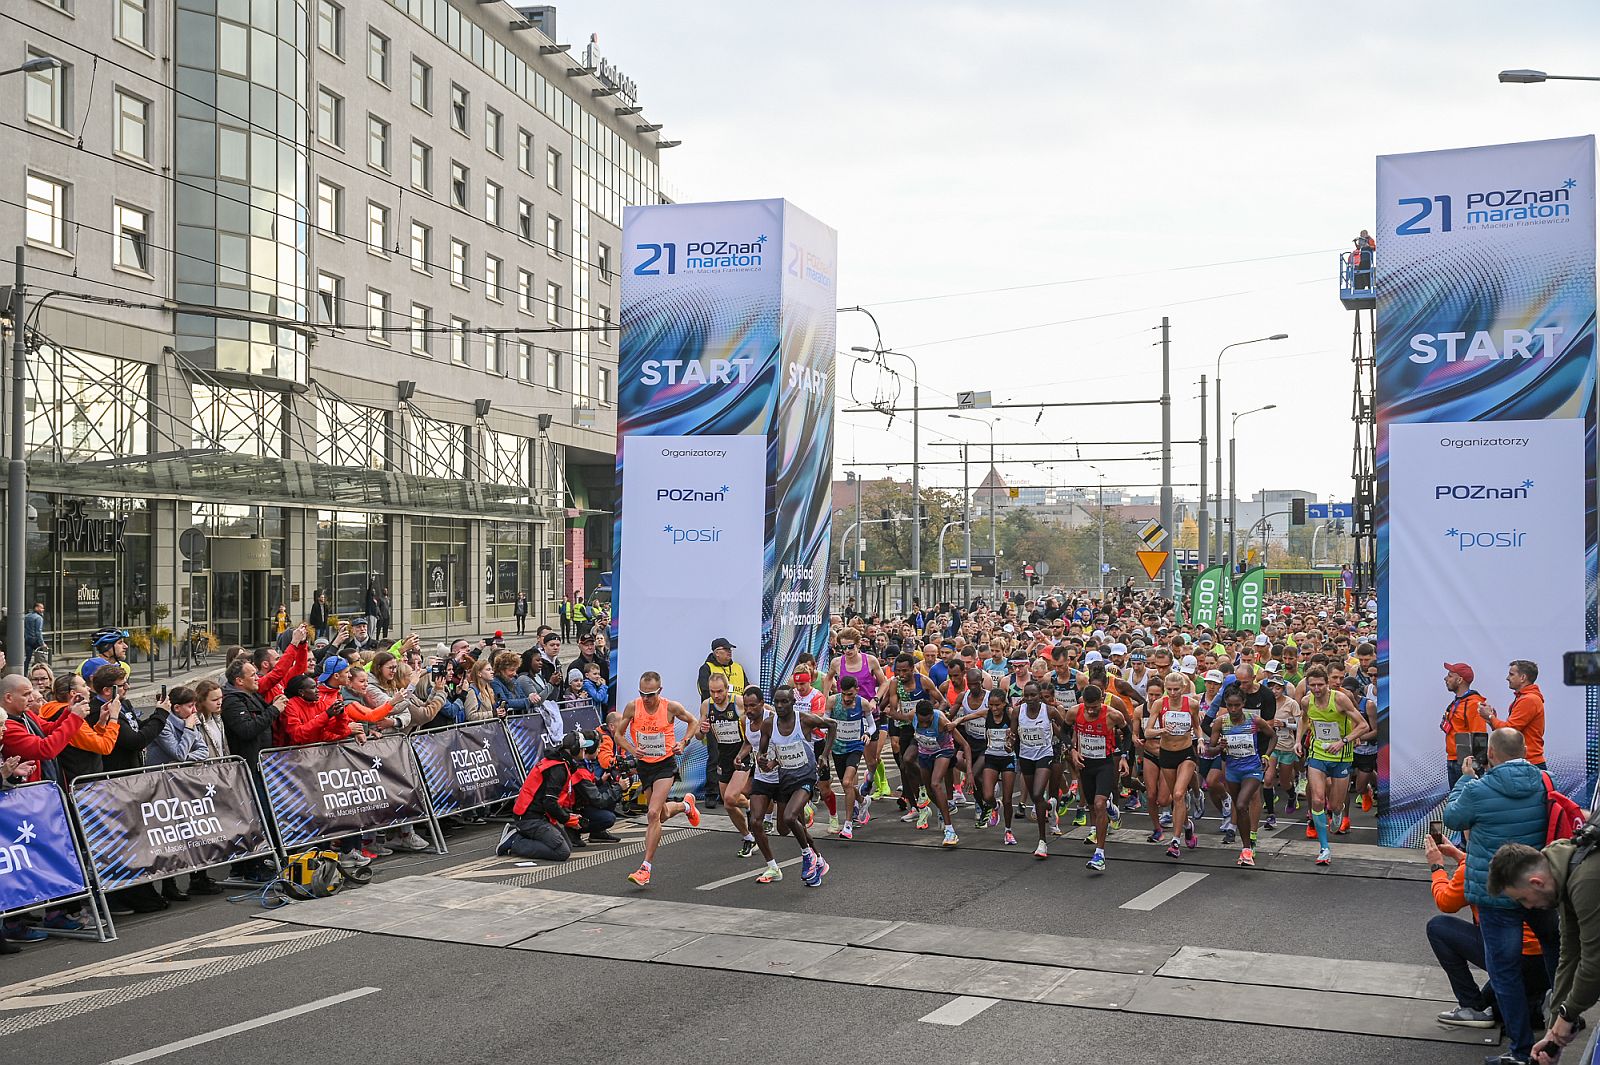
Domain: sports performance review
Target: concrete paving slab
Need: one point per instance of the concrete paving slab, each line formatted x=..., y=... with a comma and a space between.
x=731, y=920
x=1278, y=970
x=995, y=945
x=1093, y=990
x=1288, y=1007
x=854, y=965
x=621, y=942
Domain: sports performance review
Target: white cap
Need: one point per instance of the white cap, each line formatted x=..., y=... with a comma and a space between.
x=1093, y=656
x=1263, y=640
x=1099, y=634
x=1273, y=666
x=1119, y=648
x=1188, y=665
x=1213, y=676
x=1322, y=613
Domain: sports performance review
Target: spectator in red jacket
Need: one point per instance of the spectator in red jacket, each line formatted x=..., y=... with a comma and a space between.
x=31, y=737
x=316, y=712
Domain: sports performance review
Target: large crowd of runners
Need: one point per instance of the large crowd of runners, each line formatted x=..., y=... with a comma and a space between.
x=1038, y=715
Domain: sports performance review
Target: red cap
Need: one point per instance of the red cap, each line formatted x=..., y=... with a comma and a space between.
x=498, y=634
x=1460, y=669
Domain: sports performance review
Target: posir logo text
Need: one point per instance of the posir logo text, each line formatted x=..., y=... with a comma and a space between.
x=1482, y=491
x=712, y=535
x=1486, y=539
x=694, y=495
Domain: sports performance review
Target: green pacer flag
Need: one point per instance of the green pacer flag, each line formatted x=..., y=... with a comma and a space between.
x=1205, y=597
x=1248, y=595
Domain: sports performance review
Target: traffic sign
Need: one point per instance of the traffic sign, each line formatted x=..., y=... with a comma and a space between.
x=1153, y=533
x=1027, y=569
x=1152, y=561
x=1326, y=511
x=974, y=400
x=1043, y=569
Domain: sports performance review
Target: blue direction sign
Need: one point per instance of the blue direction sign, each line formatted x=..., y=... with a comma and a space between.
x=1330, y=510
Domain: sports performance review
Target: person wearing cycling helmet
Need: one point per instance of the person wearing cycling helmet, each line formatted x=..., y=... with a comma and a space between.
x=110, y=649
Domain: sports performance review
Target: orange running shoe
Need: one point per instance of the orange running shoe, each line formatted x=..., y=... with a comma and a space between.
x=1311, y=832
x=1344, y=825
x=1366, y=800
x=691, y=811
x=640, y=876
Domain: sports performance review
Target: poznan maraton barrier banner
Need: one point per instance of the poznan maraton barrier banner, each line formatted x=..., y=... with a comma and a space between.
x=467, y=766
x=38, y=859
x=1486, y=448
x=157, y=822
x=324, y=790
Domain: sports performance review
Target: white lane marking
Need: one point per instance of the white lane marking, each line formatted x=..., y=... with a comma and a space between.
x=1164, y=892
x=243, y=1026
x=958, y=1011
x=725, y=881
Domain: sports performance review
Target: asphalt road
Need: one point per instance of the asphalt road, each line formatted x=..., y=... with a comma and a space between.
x=200, y=967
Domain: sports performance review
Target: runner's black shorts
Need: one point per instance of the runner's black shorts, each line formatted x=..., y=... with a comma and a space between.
x=1004, y=762
x=787, y=788
x=650, y=772
x=1364, y=763
x=842, y=762
x=726, y=766
x=1098, y=777
x=1031, y=765
x=1174, y=759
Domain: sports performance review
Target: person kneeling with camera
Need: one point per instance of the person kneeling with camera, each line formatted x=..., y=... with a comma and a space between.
x=550, y=809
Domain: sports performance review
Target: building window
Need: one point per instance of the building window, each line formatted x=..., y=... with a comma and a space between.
x=458, y=263
x=133, y=124
x=552, y=370
x=525, y=151
x=525, y=220
x=579, y=385
x=491, y=354
x=421, y=321
x=603, y=384
x=47, y=212
x=353, y=546
x=377, y=57
x=458, y=341
x=421, y=167
x=460, y=101
x=47, y=94
x=524, y=361
x=492, y=123
x=525, y=291
x=439, y=563
x=377, y=228
x=133, y=22
x=421, y=248
x=240, y=421
x=491, y=203
x=552, y=234
x=459, y=176
x=491, y=277
x=330, y=208
x=603, y=261
x=421, y=85
x=604, y=313
x=552, y=168
x=330, y=118
x=552, y=303
x=330, y=27
x=377, y=143
x=330, y=294
x=377, y=312
x=132, y=250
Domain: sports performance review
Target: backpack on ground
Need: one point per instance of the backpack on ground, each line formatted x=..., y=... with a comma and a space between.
x=317, y=874
x=1566, y=816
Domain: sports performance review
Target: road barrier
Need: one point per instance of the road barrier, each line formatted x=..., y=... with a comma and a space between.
x=323, y=791
x=41, y=855
x=467, y=766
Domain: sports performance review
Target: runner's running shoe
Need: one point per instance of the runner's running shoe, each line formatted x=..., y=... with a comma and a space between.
x=1344, y=826
x=1227, y=835
x=808, y=864
x=1324, y=857
x=640, y=876
x=771, y=876
x=1247, y=858
x=1156, y=835
x=863, y=812
x=1173, y=851
x=950, y=838
x=1114, y=816
x=994, y=815
x=747, y=847
x=1011, y=840
x=908, y=817
x=1165, y=819
x=924, y=816
x=1366, y=799
x=957, y=798
x=691, y=811
x=1042, y=851
x=847, y=832
x=811, y=815
x=833, y=826
x=1097, y=862
x=1311, y=832
x=1190, y=840
x=1271, y=822
x=1081, y=818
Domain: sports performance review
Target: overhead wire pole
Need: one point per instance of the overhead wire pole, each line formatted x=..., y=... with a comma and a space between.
x=17, y=481
x=1167, y=581
x=1205, y=517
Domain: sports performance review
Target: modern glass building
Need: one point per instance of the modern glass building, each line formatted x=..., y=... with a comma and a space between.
x=330, y=284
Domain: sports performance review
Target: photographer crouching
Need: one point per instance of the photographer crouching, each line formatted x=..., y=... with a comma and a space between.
x=1559, y=878
x=559, y=801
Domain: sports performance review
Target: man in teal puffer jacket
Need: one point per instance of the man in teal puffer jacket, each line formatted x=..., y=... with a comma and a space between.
x=1506, y=805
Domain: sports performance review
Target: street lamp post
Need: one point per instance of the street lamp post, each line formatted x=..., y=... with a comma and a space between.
x=994, y=538
x=1218, y=383
x=1101, y=566
x=1534, y=77
x=1233, y=494
x=916, y=451
x=966, y=519
x=33, y=66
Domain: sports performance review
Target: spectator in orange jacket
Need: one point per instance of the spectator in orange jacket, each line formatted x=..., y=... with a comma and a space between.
x=29, y=736
x=1461, y=716
x=1527, y=709
x=1458, y=946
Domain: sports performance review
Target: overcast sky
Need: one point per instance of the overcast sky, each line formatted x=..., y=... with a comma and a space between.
x=1096, y=160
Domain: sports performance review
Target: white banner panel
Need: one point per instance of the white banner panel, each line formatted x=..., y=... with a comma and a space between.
x=694, y=542
x=1486, y=564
